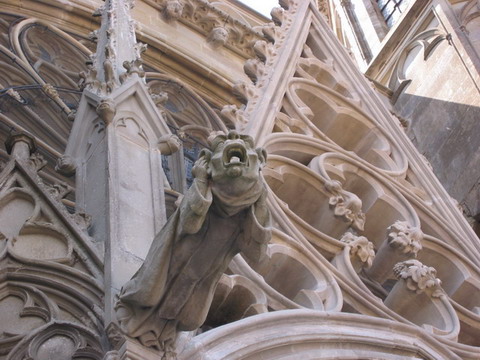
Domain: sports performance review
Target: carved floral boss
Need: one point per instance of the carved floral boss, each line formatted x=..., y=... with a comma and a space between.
x=223, y=213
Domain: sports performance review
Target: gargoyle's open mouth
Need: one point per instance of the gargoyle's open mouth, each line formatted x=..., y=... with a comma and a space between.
x=234, y=154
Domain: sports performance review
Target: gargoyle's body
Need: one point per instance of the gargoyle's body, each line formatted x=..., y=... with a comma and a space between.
x=223, y=213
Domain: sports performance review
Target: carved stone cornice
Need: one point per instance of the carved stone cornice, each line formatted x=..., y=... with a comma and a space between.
x=204, y=18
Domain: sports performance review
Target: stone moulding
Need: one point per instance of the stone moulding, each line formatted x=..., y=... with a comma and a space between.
x=306, y=332
x=317, y=289
x=62, y=338
x=236, y=297
x=461, y=282
x=48, y=213
x=344, y=263
x=388, y=157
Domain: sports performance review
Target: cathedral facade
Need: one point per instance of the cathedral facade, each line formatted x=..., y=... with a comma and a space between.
x=106, y=108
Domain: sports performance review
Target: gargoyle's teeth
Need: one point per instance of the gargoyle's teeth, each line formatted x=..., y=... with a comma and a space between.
x=235, y=155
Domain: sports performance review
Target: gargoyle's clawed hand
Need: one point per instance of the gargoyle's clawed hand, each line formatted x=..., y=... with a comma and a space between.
x=200, y=169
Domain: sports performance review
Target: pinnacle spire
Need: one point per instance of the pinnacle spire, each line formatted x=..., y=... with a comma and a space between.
x=118, y=54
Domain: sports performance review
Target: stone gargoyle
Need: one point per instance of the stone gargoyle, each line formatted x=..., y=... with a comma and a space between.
x=223, y=213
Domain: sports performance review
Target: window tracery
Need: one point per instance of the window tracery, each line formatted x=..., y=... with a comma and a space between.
x=392, y=10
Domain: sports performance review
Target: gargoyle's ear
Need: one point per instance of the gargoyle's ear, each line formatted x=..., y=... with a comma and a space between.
x=262, y=155
x=206, y=153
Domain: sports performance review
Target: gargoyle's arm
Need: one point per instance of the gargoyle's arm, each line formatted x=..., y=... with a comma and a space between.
x=257, y=230
x=197, y=201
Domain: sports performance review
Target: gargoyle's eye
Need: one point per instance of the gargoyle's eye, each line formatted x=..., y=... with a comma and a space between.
x=219, y=140
x=248, y=140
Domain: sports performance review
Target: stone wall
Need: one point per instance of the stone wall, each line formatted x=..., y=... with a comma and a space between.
x=432, y=70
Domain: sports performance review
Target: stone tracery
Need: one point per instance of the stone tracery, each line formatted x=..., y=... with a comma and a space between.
x=373, y=173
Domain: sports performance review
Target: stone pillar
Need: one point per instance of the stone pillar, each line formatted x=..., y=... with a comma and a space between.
x=20, y=145
x=115, y=147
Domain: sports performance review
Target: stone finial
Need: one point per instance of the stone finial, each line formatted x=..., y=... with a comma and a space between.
x=20, y=145
x=346, y=204
x=116, y=46
x=418, y=277
x=404, y=237
x=361, y=250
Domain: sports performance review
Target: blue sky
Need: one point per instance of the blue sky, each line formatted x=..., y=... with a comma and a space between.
x=262, y=6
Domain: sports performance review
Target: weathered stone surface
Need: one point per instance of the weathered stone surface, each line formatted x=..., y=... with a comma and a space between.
x=223, y=213
x=339, y=163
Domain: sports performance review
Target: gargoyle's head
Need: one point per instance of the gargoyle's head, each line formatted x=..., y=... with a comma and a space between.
x=234, y=164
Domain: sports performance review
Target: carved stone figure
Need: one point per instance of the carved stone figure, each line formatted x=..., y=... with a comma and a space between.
x=223, y=213
x=218, y=37
x=173, y=10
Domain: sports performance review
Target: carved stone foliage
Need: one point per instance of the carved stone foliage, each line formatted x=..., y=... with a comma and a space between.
x=345, y=204
x=404, y=237
x=418, y=277
x=219, y=27
x=322, y=113
x=361, y=250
